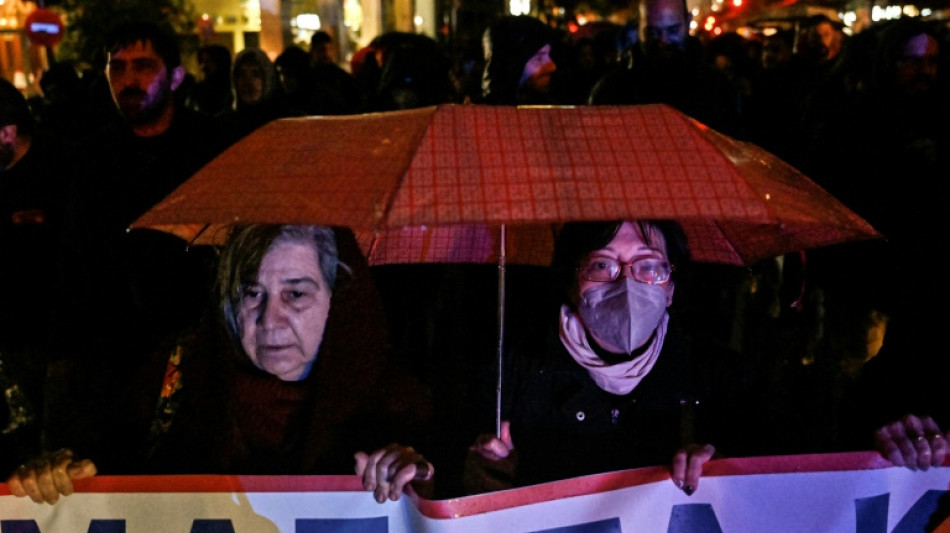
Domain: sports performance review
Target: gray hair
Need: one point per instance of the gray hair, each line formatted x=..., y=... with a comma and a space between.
x=246, y=247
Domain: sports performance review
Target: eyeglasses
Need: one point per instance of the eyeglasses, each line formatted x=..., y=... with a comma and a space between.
x=647, y=270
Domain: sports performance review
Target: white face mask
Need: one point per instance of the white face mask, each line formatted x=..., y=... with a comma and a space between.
x=623, y=313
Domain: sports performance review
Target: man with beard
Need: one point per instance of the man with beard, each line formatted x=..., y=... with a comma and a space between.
x=156, y=144
x=667, y=67
x=131, y=288
x=520, y=68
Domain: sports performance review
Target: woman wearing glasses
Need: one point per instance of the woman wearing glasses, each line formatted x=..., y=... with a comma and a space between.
x=611, y=384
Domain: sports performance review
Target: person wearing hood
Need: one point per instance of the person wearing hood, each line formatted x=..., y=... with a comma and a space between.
x=412, y=72
x=258, y=95
x=519, y=67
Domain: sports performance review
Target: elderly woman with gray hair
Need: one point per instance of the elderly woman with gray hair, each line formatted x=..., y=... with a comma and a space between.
x=289, y=378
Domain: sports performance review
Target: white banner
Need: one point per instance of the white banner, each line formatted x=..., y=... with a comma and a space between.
x=833, y=493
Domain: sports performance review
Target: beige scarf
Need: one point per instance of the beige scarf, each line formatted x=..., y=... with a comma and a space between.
x=620, y=378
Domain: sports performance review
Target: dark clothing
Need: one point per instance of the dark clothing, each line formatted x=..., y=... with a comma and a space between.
x=773, y=112
x=414, y=74
x=231, y=418
x=72, y=111
x=895, y=173
x=886, y=155
x=895, y=176
x=34, y=195
x=563, y=425
x=129, y=289
x=897, y=146
x=144, y=283
x=334, y=91
x=908, y=376
x=241, y=122
x=682, y=80
x=140, y=171
x=211, y=97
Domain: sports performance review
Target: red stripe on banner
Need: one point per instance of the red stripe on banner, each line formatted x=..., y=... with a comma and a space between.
x=210, y=483
x=483, y=503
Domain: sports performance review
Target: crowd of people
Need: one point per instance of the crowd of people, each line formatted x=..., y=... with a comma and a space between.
x=128, y=351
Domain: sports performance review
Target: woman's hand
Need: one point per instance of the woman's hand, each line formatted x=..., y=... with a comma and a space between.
x=491, y=463
x=48, y=476
x=386, y=471
x=494, y=448
x=912, y=442
x=688, y=466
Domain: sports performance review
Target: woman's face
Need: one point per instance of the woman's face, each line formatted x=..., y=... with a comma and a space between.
x=284, y=313
x=248, y=83
x=630, y=250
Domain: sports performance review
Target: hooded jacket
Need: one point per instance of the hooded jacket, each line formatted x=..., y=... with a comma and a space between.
x=509, y=43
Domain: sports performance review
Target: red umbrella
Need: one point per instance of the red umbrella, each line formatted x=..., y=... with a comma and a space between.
x=448, y=175
x=436, y=184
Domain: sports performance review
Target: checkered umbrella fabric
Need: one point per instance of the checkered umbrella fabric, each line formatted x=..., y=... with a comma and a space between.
x=435, y=184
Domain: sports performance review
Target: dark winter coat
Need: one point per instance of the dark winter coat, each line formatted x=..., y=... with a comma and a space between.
x=563, y=425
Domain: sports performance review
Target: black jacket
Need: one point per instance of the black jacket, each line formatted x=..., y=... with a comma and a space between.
x=563, y=425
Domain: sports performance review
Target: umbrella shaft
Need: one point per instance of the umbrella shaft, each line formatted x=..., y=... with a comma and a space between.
x=501, y=328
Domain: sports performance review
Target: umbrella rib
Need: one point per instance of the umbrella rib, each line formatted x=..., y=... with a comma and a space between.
x=736, y=251
x=713, y=137
x=199, y=234
x=404, y=172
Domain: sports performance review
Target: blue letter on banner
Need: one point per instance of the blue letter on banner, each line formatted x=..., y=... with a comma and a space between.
x=107, y=526
x=19, y=526
x=207, y=525
x=872, y=513
x=611, y=525
x=693, y=518
x=29, y=526
x=379, y=524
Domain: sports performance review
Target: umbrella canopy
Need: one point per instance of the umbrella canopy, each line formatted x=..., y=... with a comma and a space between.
x=433, y=184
